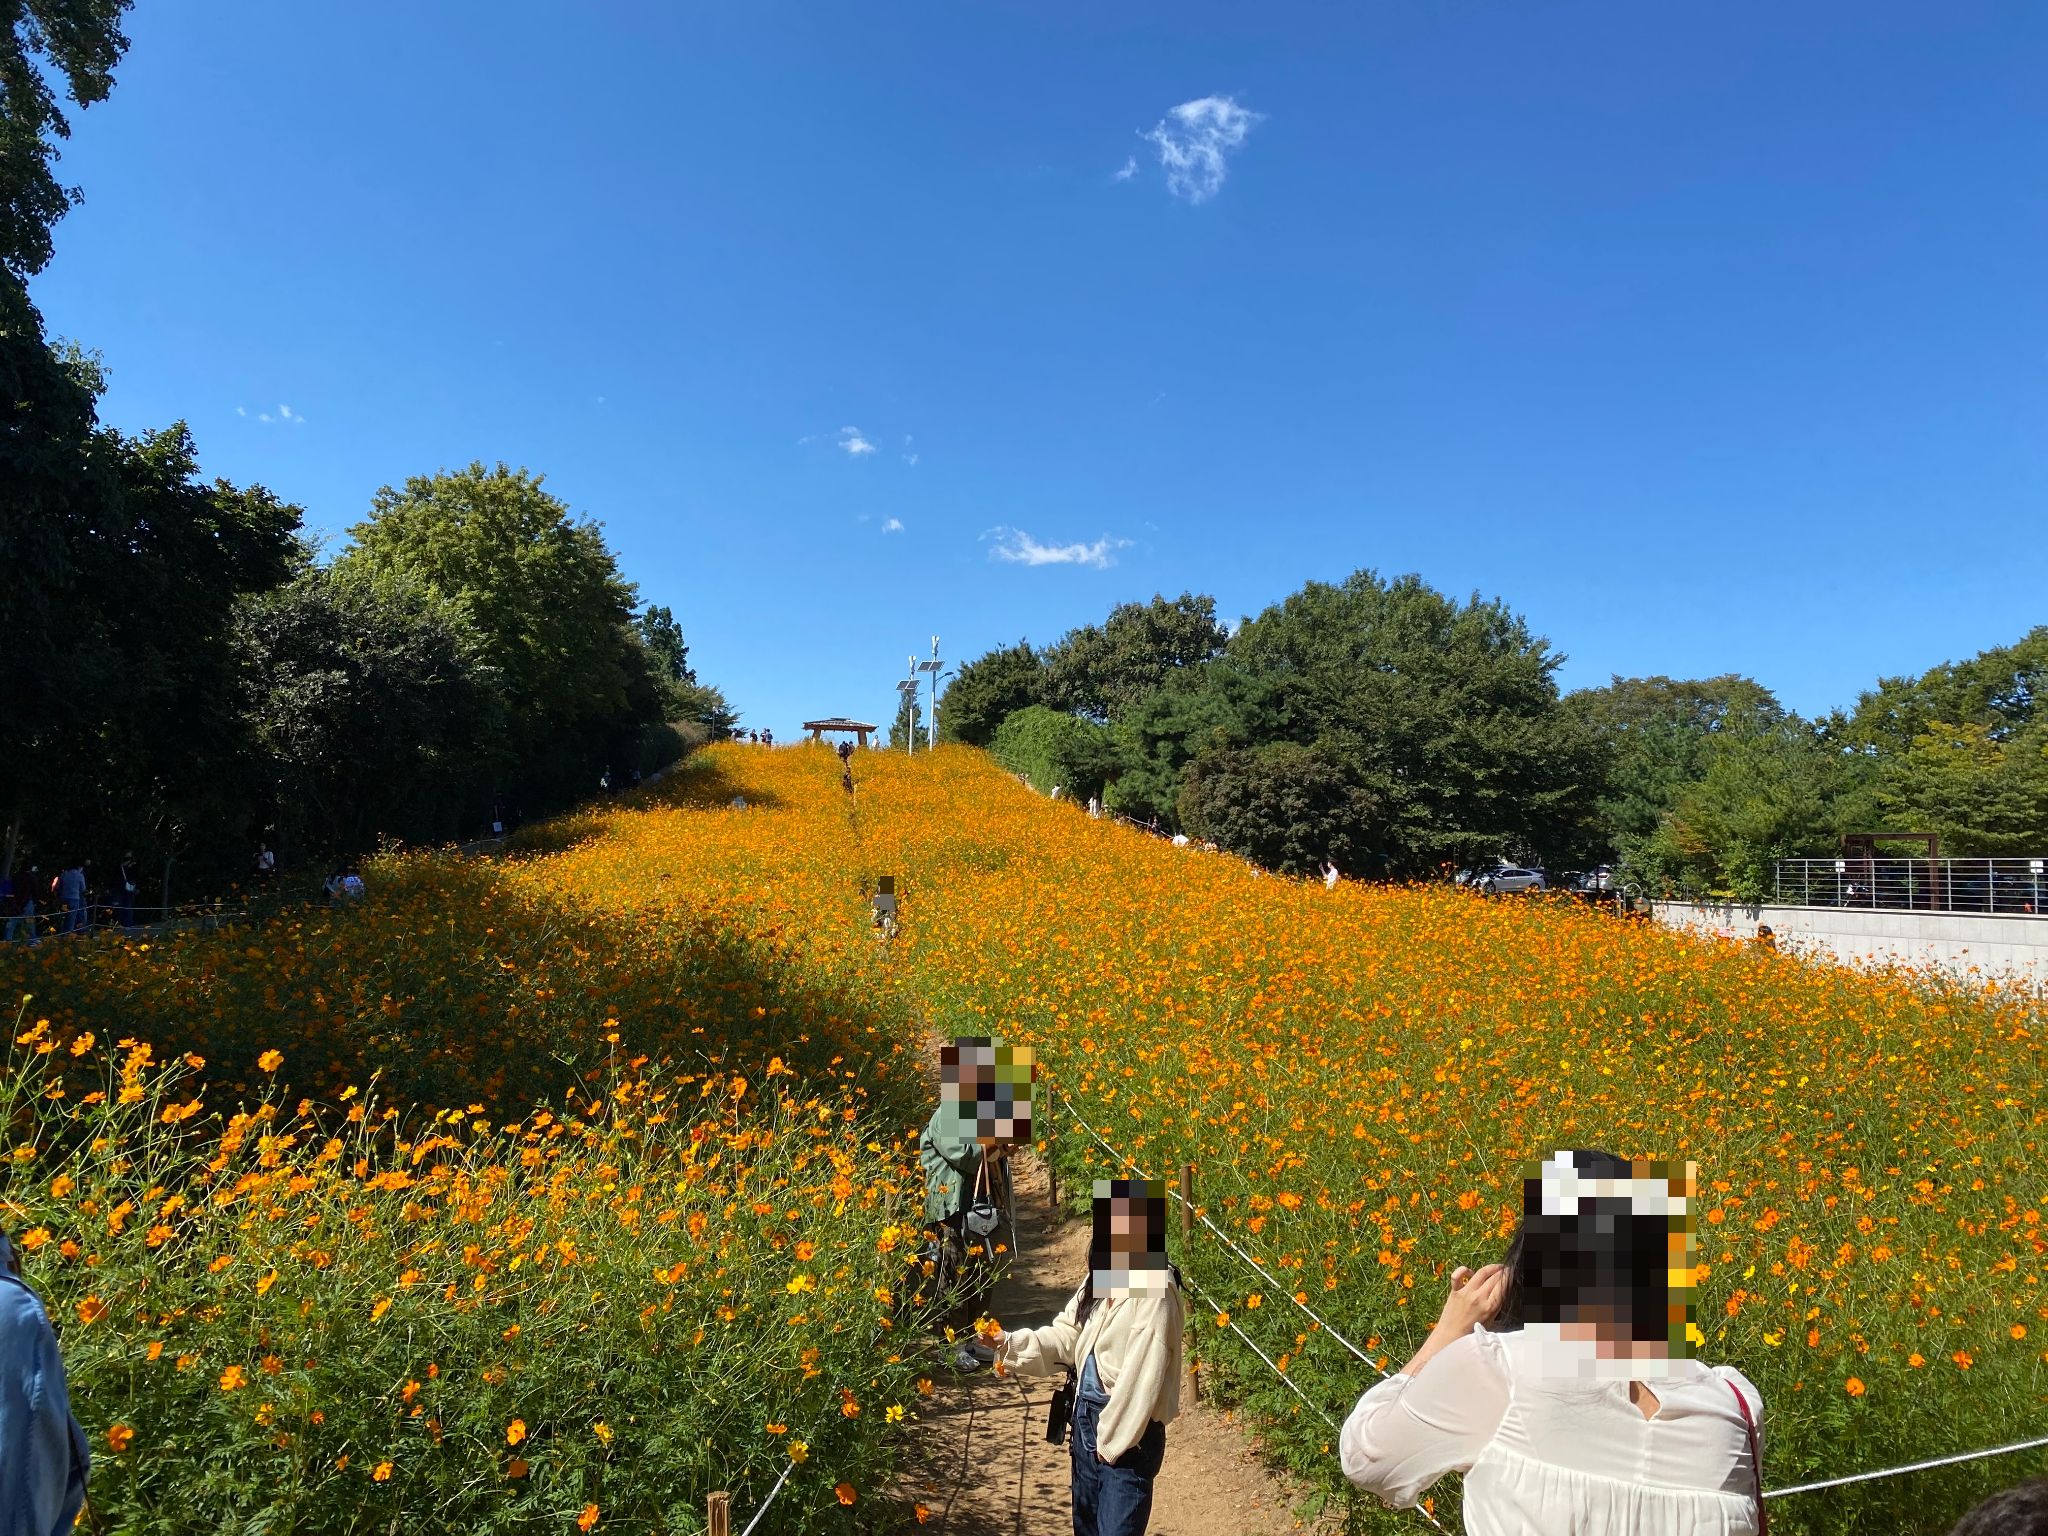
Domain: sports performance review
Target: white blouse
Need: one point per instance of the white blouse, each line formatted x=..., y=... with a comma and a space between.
x=1551, y=1456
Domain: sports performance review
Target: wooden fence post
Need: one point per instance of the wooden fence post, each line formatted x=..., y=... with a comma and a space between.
x=1187, y=1238
x=1052, y=1168
x=718, y=1514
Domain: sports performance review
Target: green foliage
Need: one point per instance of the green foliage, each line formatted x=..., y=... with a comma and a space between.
x=1654, y=736
x=126, y=701
x=544, y=594
x=988, y=690
x=909, y=722
x=663, y=637
x=1102, y=671
x=45, y=43
x=1446, y=714
x=1776, y=792
x=374, y=708
x=2000, y=689
x=1285, y=806
x=1057, y=750
x=1984, y=793
x=1213, y=708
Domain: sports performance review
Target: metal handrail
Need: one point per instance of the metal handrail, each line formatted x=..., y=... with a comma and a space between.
x=2003, y=887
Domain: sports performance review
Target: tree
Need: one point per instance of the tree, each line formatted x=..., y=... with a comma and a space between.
x=987, y=690
x=1209, y=709
x=1445, y=714
x=545, y=595
x=373, y=707
x=1779, y=791
x=663, y=637
x=1654, y=735
x=47, y=42
x=909, y=722
x=1984, y=794
x=2001, y=689
x=1054, y=749
x=1285, y=806
x=1102, y=671
x=127, y=722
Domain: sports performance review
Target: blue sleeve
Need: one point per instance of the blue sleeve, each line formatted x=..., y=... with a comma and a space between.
x=43, y=1453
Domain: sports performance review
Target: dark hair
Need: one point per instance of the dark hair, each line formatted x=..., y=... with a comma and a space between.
x=1507, y=1317
x=1604, y=1254
x=1101, y=1248
x=2021, y=1510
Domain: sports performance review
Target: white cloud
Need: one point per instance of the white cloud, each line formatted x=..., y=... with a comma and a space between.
x=1194, y=142
x=894, y=525
x=1130, y=169
x=910, y=455
x=241, y=410
x=854, y=444
x=265, y=416
x=286, y=413
x=1019, y=548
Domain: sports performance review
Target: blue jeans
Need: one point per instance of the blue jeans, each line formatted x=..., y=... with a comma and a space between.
x=1111, y=1498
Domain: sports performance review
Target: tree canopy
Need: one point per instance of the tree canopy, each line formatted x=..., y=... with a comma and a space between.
x=987, y=690
x=1103, y=670
x=74, y=44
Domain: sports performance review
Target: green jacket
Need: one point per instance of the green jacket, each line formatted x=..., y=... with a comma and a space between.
x=949, y=1162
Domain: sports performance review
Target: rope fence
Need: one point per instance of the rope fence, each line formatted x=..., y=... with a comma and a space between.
x=1126, y=1161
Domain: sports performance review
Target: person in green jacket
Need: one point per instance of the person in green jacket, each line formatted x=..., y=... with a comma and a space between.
x=951, y=1151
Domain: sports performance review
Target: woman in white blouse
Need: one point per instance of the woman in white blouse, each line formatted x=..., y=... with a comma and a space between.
x=1561, y=1382
x=1122, y=1332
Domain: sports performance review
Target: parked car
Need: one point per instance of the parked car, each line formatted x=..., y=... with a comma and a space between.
x=1510, y=880
x=1600, y=879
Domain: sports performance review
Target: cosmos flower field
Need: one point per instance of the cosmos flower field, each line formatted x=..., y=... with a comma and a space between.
x=549, y=1191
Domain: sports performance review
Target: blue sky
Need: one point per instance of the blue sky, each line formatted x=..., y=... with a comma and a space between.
x=1710, y=337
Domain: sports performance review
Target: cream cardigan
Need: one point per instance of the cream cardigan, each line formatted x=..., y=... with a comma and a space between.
x=1136, y=1343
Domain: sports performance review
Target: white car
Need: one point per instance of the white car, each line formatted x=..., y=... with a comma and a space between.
x=1509, y=880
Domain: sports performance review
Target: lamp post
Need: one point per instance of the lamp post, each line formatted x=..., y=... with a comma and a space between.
x=907, y=696
x=932, y=667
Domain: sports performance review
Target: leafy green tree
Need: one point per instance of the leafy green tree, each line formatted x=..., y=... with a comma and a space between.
x=1207, y=709
x=374, y=708
x=1102, y=671
x=663, y=637
x=1985, y=794
x=1054, y=749
x=1778, y=791
x=988, y=690
x=131, y=731
x=545, y=595
x=2002, y=689
x=1445, y=714
x=1285, y=806
x=1654, y=735
x=47, y=44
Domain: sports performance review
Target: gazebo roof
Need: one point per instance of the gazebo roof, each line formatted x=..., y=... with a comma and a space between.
x=837, y=723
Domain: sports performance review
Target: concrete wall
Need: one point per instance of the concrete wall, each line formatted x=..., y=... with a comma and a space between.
x=1960, y=942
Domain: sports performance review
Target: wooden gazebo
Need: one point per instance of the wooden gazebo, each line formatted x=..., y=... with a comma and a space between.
x=839, y=725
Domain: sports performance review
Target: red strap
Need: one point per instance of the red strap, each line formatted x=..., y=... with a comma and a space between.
x=1756, y=1461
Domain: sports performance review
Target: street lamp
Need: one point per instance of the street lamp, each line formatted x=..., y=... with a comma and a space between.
x=908, y=689
x=932, y=667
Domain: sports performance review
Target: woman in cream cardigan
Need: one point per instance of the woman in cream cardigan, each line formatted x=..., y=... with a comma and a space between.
x=1122, y=1332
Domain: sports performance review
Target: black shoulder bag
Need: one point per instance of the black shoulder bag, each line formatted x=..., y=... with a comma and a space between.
x=1060, y=1411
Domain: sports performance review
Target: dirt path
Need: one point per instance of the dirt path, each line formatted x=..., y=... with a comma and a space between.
x=969, y=1469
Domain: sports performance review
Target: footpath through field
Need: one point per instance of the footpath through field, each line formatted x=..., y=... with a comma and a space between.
x=982, y=1465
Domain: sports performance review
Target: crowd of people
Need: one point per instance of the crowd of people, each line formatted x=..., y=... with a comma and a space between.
x=34, y=904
